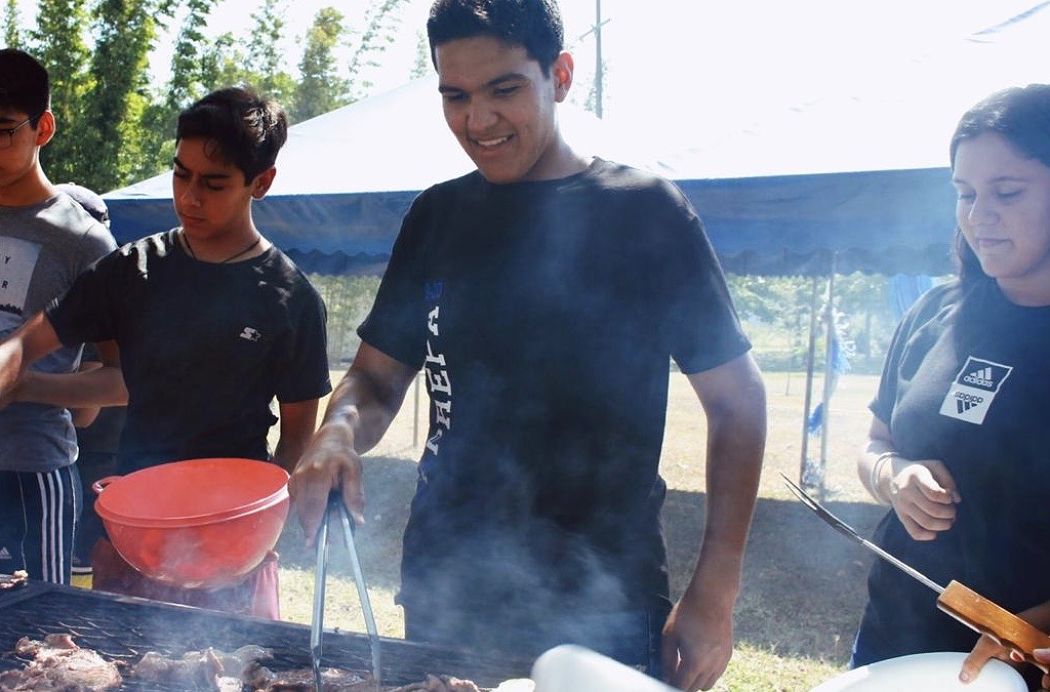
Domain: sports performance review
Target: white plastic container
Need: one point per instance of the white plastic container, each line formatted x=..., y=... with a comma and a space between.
x=934, y=671
x=570, y=668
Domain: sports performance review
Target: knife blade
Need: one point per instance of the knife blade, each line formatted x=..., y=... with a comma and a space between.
x=957, y=600
x=317, y=620
x=362, y=590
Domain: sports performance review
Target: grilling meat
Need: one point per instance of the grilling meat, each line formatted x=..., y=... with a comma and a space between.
x=435, y=683
x=10, y=581
x=210, y=669
x=59, y=665
x=263, y=679
x=339, y=680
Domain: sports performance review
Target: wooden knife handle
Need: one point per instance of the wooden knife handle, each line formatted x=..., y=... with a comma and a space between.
x=978, y=613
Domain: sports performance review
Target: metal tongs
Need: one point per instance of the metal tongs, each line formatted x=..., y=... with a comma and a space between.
x=961, y=602
x=338, y=509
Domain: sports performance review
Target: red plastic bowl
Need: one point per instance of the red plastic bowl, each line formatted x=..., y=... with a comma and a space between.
x=202, y=523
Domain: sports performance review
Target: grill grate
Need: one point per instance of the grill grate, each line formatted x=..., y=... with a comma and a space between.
x=123, y=629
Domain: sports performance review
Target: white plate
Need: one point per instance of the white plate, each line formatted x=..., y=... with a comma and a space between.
x=570, y=668
x=934, y=671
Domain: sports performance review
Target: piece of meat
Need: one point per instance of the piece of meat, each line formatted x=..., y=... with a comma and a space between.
x=262, y=679
x=59, y=665
x=210, y=669
x=10, y=581
x=442, y=683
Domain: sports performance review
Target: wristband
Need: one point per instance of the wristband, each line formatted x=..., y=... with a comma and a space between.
x=876, y=469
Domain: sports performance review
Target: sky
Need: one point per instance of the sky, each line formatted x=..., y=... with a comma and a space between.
x=679, y=70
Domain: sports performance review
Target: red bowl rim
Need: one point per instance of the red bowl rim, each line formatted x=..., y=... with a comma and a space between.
x=278, y=496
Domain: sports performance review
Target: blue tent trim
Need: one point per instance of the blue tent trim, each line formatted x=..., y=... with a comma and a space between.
x=886, y=222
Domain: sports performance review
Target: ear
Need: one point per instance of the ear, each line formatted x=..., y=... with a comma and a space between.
x=45, y=128
x=263, y=181
x=561, y=74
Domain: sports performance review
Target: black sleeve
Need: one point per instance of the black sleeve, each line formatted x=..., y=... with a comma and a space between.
x=924, y=308
x=704, y=331
x=396, y=324
x=305, y=375
x=88, y=312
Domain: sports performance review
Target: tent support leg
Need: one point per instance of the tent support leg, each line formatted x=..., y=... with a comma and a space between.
x=829, y=381
x=808, y=399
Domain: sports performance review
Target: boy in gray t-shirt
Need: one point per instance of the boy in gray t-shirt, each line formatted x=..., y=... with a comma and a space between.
x=46, y=240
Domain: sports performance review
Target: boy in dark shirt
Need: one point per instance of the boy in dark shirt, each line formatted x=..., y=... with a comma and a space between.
x=212, y=322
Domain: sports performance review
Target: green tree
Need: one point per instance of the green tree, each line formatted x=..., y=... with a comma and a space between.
x=264, y=68
x=380, y=26
x=125, y=31
x=12, y=32
x=422, y=65
x=58, y=41
x=192, y=69
x=320, y=88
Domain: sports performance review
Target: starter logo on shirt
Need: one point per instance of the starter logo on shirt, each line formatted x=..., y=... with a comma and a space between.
x=974, y=390
x=250, y=334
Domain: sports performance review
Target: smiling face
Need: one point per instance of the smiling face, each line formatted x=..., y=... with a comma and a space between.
x=210, y=196
x=1003, y=210
x=501, y=108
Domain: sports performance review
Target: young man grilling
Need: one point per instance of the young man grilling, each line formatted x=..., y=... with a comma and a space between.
x=544, y=295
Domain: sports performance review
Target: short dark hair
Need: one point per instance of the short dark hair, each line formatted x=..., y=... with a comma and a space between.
x=533, y=24
x=1021, y=115
x=24, y=84
x=248, y=129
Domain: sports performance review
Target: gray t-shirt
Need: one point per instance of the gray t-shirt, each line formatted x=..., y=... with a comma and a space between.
x=43, y=247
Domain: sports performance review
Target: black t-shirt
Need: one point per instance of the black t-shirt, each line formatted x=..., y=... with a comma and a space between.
x=967, y=381
x=204, y=347
x=545, y=315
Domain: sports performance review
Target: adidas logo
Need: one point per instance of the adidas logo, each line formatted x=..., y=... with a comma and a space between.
x=980, y=378
x=5, y=554
x=965, y=401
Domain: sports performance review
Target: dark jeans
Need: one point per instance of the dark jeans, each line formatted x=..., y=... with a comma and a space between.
x=631, y=637
x=93, y=466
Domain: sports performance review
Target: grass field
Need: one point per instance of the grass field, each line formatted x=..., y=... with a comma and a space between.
x=804, y=585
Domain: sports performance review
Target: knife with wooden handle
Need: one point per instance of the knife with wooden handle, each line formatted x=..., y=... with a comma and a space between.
x=962, y=603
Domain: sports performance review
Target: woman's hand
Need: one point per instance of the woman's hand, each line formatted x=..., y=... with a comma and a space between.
x=924, y=496
x=985, y=650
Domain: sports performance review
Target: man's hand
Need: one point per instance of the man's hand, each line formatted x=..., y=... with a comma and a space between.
x=923, y=494
x=697, y=642
x=359, y=412
x=329, y=463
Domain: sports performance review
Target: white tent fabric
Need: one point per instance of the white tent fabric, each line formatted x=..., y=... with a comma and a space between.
x=857, y=175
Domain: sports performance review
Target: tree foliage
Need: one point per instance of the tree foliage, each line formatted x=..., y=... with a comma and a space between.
x=125, y=31
x=264, y=67
x=58, y=41
x=115, y=126
x=379, y=27
x=12, y=30
x=320, y=88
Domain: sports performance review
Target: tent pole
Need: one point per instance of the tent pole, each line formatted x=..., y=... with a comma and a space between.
x=808, y=400
x=829, y=382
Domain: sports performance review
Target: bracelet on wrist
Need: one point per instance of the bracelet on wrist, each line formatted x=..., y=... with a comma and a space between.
x=876, y=470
